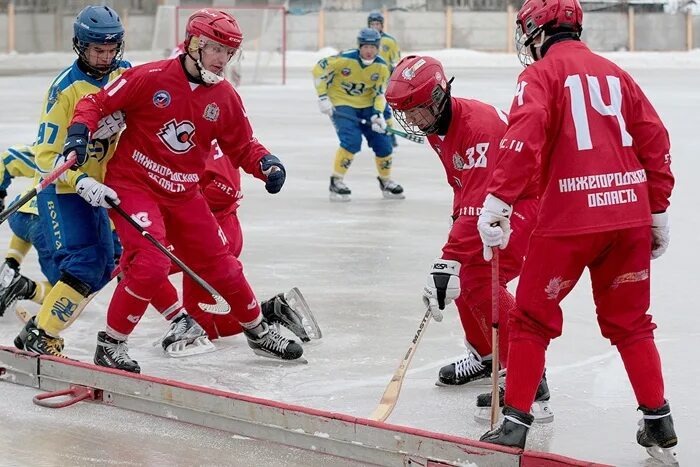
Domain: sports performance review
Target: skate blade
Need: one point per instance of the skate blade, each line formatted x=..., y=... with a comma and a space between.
x=199, y=346
x=666, y=456
x=542, y=412
x=262, y=353
x=298, y=303
x=389, y=195
x=337, y=198
x=22, y=314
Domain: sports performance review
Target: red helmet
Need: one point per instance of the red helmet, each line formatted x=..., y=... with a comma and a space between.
x=418, y=82
x=536, y=15
x=216, y=25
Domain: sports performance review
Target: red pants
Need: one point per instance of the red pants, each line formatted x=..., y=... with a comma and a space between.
x=197, y=240
x=474, y=303
x=618, y=262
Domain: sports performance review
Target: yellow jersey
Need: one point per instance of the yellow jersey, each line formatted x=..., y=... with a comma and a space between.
x=59, y=104
x=18, y=161
x=389, y=50
x=347, y=81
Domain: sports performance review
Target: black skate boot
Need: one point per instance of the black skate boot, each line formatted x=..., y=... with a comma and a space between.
x=657, y=435
x=465, y=370
x=291, y=311
x=13, y=286
x=267, y=342
x=33, y=339
x=186, y=337
x=513, y=430
x=112, y=353
x=390, y=189
x=540, y=410
x=339, y=191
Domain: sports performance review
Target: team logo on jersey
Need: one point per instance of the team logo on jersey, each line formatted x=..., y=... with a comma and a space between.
x=161, y=99
x=374, y=77
x=385, y=48
x=53, y=95
x=346, y=71
x=458, y=161
x=211, y=113
x=141, y=218
x=177, y=136
x=409, y=73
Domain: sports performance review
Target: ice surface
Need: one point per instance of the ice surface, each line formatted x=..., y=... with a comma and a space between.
x=361, y=265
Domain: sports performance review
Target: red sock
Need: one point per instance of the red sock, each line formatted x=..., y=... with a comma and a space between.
x=166, y=301
x=473, y=331
x=124, y=312
x=525, y=369
x=643, y=365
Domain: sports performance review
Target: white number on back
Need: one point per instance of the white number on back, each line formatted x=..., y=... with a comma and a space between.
x=580, y=114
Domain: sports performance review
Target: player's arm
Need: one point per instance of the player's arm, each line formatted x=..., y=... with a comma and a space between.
x=652, y=146
x=520, y=148
x=379, y=88
x=323, y=73
x=237, y=142
x=16, y=161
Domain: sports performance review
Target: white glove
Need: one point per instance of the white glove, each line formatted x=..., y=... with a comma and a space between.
x=109, y=125
x=325, y=105
x=494, y=224
x=660, y=234
x=95, y=193
x=442, y=286
x=378, y=123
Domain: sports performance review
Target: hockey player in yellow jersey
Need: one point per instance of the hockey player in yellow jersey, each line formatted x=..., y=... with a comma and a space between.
x=350, y=88
x=72, y=212
x=390, y=52
x=18, y=161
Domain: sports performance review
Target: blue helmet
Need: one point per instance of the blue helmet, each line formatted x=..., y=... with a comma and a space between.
x=375, y=16
x=368, y=36
x=98, y=25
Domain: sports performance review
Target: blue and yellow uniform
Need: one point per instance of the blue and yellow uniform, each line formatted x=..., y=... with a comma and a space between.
x=18, y=161
x=389, y=50
x=356, y=90
x=79, y=235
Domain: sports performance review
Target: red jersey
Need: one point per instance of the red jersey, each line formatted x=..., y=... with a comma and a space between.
x=468, y=152
x=221, y=183
x=171, y=124
x=600, y=147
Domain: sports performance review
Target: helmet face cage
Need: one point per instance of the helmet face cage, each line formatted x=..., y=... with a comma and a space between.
x=523, y=51
x=422, y=120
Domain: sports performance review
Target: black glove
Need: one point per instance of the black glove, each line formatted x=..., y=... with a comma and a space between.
x=3, y=195
x=77, y=140
x=275, y=176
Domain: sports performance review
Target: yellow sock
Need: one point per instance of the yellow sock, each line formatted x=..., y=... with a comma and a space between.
x=42, y=289
x=58, y=308
x=343, y=159
x=18, y=248
x=383, y=167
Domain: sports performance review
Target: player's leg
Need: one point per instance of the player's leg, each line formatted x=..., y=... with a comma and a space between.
x=15, y=286
x=145, y=270
x=550, y=271
x=350, y=137
x=381, y=145
x=204, y=247
x=621, y=290
x=84, y=254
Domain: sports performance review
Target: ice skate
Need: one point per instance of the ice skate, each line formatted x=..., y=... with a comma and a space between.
x=541, y=410
x=13, y=287
x=267, y=342
x=466, y=370
x=291, y=311
x=33, y=339
x=513, y=430
x=390, y=189
x=339, y=191
x=185, y=338
x=657, y=435
x=112, y=353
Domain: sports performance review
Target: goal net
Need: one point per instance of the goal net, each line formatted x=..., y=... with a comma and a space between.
x=263, y=59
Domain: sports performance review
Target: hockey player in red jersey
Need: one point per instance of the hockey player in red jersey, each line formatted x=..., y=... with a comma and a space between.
x=603, y=155
x=174, y=110
x=465, y=134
